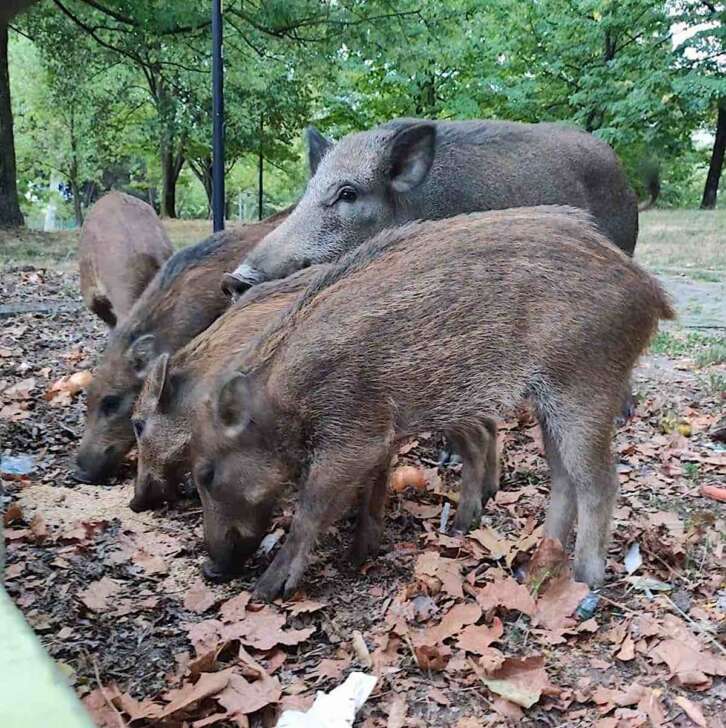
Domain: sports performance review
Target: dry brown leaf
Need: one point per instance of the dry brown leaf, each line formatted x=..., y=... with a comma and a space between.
x=209, y=683
x=477, y=638
x=458, y=617
x=199, y=598
x=548, y=562
x=497, y=546
x=97, y=594
x=692, y=710
x=263, y=630
x=447, y=571
x=397, y=710
x=234, y=609
x=13, y=514
x=306, y=606
x=241, y=697
x=66, y=387
x=688, y=665
x=20, y=390
x=558, y=601
x=627, y=650
x=432, y=657
x=508, y=594
x=521, y=681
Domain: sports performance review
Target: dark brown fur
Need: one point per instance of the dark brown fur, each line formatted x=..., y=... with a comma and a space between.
x=122, y=247
x=166, y=407
x=527, y=303
x=182, y=300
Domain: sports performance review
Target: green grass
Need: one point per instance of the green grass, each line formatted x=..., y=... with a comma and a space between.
x=705, y=349
x=684, y=241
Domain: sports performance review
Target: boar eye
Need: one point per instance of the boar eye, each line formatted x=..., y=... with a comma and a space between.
x=110, y=404
x=347, y=194
x=205, y=475
x=138, y=427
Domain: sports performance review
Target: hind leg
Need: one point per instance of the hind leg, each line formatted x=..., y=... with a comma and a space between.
x=477, y=447
x=584, y=443
x=563, y=496
x=369, y=524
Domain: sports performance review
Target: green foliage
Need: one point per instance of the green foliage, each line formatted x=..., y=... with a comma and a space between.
x=119, y=91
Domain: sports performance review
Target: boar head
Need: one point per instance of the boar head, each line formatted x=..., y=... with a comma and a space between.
x=111, y=395
x=162, y=426
x=357, y=188
x=239, y=471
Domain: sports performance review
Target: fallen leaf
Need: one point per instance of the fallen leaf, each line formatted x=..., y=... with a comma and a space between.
x=508, y=594
x=209, y=683
x=713, y=492
x=96, y=595
x=432, y=657
x=497, y=546
x=304, y=607
x=559, y=601
x=235, y=609
x=447, y=571
x=477, y=638
x=520, y=680
x=692, y=710
x=199, y=598
x=688, y=665
x=263, y=630
x=397, y=710
x=20, y=390
x=459, y=616
x=548, y=562
x=242, y=697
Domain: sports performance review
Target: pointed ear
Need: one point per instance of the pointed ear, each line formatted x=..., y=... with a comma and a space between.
x=412, y=154
x=234, y=403
x=159, y=382
x=318, y=147
x=141, y=352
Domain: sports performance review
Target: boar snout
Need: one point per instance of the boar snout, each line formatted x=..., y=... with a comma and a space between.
x=227, y=556
x=234, y=286
x=148, y=494
x=96, y=467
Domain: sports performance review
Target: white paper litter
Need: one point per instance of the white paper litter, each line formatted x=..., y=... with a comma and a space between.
x=335, y=709
x=633, y=559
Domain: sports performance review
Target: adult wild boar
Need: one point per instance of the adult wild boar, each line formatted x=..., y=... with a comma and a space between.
x=531, y=303
x=123, y=244
x=165, y=409
x=180, y=302
x=409, y=169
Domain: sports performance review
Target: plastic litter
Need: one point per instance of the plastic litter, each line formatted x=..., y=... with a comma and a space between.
x=633, y=559
x=588, y=606
x=336, y=709
x=16, y=465
x=444, y=517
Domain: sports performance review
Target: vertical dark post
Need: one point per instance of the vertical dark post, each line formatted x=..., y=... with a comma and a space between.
x=218, y=113
x=260, y=177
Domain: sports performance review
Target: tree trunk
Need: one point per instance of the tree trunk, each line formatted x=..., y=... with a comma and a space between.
x=710, y=191
x=260, y=185
x=10, y=214
x=75, y=183
x=202, y=169
x=171, y=166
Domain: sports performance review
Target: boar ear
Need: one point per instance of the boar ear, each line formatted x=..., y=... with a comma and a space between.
x=141, y=352
x=233, y=403
x=412, y=154
x=318, y=147
x=159, y=381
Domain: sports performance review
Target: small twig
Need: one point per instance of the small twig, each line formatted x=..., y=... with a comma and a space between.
x=122, y=723
x=698, y=627
x=619, y=605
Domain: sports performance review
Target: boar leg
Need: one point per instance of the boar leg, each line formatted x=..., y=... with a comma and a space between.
x=369, y=525
x=563, y=497
x=101, y=306
x=325, y=495
x=584, y=447
x=477, y=447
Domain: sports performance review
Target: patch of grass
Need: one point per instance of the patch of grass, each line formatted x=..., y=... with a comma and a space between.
x=715, y=383
x=687, y=241
x=704, y=349
x=691, y=470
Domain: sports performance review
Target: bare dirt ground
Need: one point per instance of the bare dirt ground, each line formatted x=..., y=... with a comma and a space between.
x=457, y=633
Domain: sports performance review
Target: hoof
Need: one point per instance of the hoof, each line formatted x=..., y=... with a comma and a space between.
x=214, y=574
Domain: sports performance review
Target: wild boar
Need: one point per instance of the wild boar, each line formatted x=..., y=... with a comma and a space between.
x=409, y=169
x=123, y=244
x=504, y=306
x=182, y=300
x=164, y=411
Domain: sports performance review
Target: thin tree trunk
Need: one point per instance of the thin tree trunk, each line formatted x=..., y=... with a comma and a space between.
x=171, y=166
x=10, y=214
x=710, y=191
x=202, y=169
x=75, y=184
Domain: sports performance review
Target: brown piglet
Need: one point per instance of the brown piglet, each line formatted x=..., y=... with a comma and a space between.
x=122, y=246
x=165, y=409
x=438, y=325
x=181, y=301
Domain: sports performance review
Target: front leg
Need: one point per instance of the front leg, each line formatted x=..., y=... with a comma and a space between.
x=329, y=490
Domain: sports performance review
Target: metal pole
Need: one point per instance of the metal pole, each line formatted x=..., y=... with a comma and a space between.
x=218, y=117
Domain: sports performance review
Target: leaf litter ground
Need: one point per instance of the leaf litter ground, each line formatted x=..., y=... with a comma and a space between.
x=462, y=632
